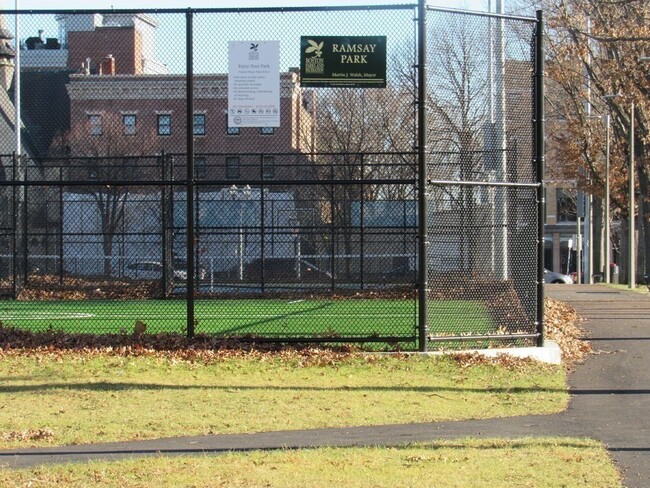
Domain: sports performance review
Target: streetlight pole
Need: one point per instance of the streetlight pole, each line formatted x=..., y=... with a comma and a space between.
x=608, y=246
x=240, y=194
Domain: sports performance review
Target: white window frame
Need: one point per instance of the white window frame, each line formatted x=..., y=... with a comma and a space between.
x=96, y=124
x=168, y=126
x=233, y=165
x=130, y=129
x=203, y=125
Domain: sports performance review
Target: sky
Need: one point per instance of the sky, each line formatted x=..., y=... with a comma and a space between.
x=171, y=27
x=480, y=5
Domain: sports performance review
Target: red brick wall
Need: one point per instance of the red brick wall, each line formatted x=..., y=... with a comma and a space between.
x=124, y=43
x=289, y=138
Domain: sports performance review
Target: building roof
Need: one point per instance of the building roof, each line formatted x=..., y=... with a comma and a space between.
x=7, y=133
x=46, y=111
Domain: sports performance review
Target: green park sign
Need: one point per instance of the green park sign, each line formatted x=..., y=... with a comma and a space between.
x=340, y=61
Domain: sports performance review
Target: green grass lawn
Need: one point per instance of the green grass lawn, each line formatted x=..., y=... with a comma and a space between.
x=49, y=398
x=547, y=463
x=238, y=317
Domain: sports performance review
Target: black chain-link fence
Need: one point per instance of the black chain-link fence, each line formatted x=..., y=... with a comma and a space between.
x=482, y=175
x=298, y=217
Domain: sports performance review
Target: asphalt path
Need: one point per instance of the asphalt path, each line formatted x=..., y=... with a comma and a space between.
x=610, y=400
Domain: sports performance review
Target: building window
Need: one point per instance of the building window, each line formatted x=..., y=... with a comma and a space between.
x=199, y=124
x=232, y=131
x=199, y=166
x=95, y=125
x=267, y=131
x=566, y=206
x=129, y=121
x=164, y=125
x=232, y=167
x=268, y=167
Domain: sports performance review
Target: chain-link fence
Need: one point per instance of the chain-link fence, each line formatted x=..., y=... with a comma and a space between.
x=299, y=215
x=483, y=180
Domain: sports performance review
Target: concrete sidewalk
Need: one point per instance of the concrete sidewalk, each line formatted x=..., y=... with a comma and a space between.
x=610, y=396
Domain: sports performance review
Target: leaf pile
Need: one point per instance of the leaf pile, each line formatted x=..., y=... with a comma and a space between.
x=52, y=287
x=27, y=435
x=174, y=347
x=563, y=326
x=506, y=361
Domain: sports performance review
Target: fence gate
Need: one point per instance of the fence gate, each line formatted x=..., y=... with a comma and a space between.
x=484, y=197
x=323, y=174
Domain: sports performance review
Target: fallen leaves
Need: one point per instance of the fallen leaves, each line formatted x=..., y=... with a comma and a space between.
x=563, y=326
x=53, y=287
x=27, y=435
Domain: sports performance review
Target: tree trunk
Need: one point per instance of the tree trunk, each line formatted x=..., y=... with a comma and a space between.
x=624, y=250
x=598, y=244
x=108, y=252
x=644, y=225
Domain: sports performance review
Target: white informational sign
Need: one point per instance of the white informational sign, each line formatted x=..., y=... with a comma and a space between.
x=253, y=84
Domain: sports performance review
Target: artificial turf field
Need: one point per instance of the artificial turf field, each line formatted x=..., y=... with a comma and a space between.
x=238, y=317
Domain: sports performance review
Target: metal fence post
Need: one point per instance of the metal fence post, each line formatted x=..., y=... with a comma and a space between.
x=189, y=187
x=539, y=169
x=361, y=225
x=422, y=181
x=14, y=260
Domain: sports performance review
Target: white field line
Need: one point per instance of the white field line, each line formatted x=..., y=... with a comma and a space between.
x=48, y=316
x=140, y=316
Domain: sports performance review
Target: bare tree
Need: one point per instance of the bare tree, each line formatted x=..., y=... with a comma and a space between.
x=107, y=156
x=458, y=102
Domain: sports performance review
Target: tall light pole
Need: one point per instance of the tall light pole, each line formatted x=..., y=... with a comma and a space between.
x=17, y=113
x=608, y=245
x=240, y=194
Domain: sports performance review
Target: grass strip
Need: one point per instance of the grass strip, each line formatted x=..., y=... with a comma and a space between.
x=55, y=398
x=552, y=462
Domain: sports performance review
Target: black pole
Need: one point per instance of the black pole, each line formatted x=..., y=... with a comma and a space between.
x=333, y=234
x=61, y=215
x=423, y=282
x=163, y=226
x=262, y=228
x=189, y=188
x=25, y=221
x=361, y=226
x=539, y=170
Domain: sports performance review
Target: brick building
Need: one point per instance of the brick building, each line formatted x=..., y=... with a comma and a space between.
x=99, y=97
x=153, y=107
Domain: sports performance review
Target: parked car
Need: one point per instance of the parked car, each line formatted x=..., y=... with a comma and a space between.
x=552, y=277
x=153, y=270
